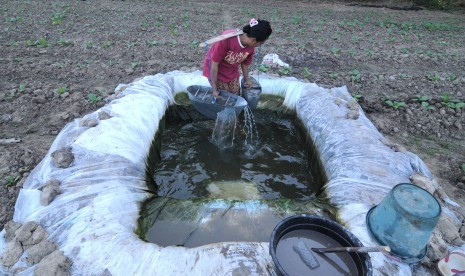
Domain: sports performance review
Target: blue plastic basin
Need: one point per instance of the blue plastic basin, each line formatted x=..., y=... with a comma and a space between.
x=404, y=220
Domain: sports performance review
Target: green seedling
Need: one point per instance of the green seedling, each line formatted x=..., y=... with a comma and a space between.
x=452, y=77
x=394, y=104
x=427, y=106
x=307, y=73
x=333, y=75
x=352, y=53
x=264, y=68
x=404, y=50
x=355, y=76
x=420, y=99
x=22, y=88
x=455, y=104
x=94, y=98
x=369, y=53
x=15, y=19
x=336, y=51
x=285, y=70
x=107, y=44
x=357, y=97
x=194, y=44
x=446, y=100
x=352, y=23
x=65, y=42
x=89, y=45
x=424, y=102
x=433, y=77
x=407, y=26
x=62, y=90
x=11, y=180
x=134, y=65
x=404, y=76
x=59, y=14
x=40, y=43
x=152, y=43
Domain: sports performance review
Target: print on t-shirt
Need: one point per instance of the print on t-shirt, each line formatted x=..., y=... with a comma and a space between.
x=233, y=58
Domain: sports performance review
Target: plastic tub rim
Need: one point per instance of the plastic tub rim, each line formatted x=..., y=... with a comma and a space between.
x=405, y=259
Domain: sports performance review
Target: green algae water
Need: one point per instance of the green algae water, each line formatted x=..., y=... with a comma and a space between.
x=193, y=166
x=207, y=193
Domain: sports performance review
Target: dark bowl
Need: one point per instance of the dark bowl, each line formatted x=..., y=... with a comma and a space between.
x=326, y=227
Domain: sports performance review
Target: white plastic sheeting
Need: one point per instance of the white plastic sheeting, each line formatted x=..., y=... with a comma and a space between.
x=94, y=218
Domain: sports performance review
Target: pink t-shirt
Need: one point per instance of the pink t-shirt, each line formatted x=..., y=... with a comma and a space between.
x=229, y=53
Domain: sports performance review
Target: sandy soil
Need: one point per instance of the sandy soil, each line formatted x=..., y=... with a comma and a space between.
x=60, y=60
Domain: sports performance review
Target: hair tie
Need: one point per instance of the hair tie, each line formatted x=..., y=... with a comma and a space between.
x=253, y=22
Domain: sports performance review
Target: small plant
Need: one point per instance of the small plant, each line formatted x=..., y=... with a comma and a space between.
x=194, y=44
x=40, y=43
x=452, y=77
x=107, y=44
x=94, y=98
x=333, y=75
x=89, y=45
x=152, y=43
x=433, y=77
x=11, y=180
x=352, y=53
x=264, y=68
x=22, y=88
x=404, y=76
x=62, y=90
x=420, y=99
x=307, y=73
x=369, y=52
x=357, y=97
x=336, y=51
x=134, y=65
x=424, y=102
x=455, y=104
x=355, y=76
x=285, y=70
x=59, y=14
x=394, y=104
x=452, y=103
x=65, y=42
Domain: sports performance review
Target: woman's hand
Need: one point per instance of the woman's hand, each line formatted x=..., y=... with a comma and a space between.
x=215, y=93
x=248, y=82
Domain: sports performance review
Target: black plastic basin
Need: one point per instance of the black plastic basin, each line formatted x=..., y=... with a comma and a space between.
x=316, y=231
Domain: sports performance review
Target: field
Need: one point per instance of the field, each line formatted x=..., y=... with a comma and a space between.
x=60, y=60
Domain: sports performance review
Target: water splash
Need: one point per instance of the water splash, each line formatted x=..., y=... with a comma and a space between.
x=250, y=130
x=225, y=127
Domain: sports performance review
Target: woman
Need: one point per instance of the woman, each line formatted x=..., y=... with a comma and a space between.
x=221, y=64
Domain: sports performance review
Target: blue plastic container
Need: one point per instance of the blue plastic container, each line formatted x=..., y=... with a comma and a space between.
x=404, y=220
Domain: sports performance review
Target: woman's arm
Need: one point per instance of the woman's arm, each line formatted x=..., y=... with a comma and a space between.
x=245, y=74
x=214, y=77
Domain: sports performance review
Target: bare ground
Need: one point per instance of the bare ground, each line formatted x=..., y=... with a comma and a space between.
x=60, y=60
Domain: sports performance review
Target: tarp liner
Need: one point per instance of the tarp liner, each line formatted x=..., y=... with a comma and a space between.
x=94, y=218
